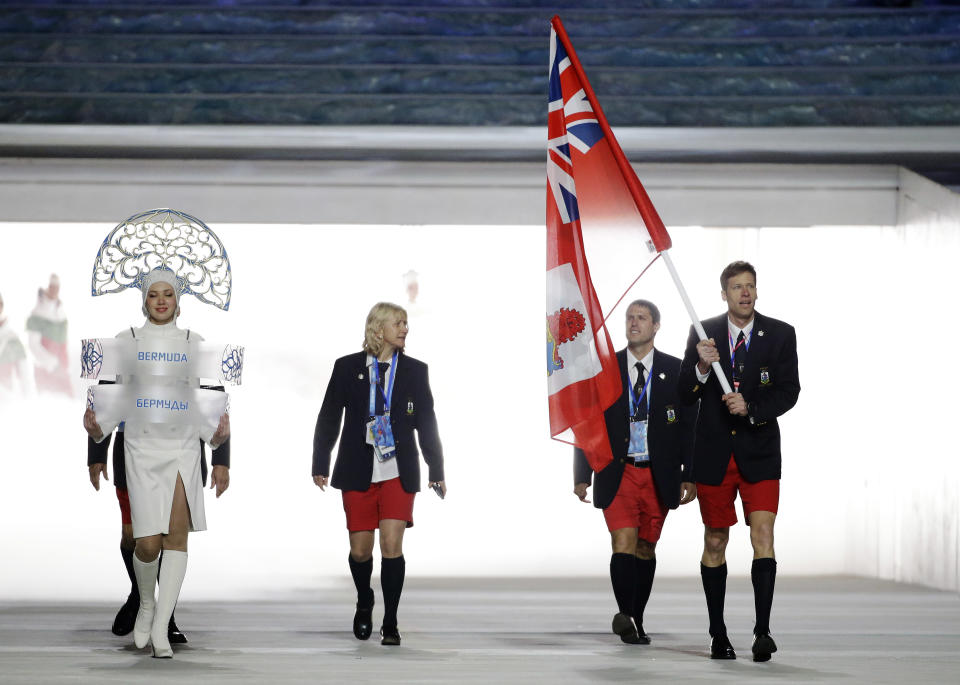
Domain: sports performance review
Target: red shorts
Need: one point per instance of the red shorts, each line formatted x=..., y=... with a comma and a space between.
x=386, y=500
x=636, y=505
x=717, y=501
x=124, y=498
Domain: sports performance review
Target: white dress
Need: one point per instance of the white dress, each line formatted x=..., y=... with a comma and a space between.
x=156, y=453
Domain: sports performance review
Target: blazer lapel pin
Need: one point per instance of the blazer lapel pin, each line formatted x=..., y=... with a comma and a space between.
x=760, y=333
x=663, y=376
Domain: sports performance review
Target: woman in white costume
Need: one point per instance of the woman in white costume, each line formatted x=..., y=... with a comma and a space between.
x=163, y=475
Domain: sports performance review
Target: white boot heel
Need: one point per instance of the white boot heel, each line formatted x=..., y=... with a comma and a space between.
x=172, y=571
x=161, y=651
x=146, y=573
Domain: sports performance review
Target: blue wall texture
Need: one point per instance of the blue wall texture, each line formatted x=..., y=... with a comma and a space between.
x=755, y=63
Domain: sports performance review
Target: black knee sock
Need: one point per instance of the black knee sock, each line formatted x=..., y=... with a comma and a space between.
x=764, y=575
x=361, y=572
x=127, y=554
x=392, y=572
x=715, y=588
x=645, y=570
x=623, y=576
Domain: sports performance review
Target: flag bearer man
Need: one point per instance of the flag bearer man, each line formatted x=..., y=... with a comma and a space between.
x=738, y=442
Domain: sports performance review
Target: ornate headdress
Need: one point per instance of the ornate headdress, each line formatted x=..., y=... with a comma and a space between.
x=164, y=240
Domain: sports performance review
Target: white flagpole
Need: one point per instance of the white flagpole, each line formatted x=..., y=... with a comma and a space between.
x=698, y=327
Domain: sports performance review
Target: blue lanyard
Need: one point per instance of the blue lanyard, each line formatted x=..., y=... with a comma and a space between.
x=375, y=383
x=733, y=348
x=634, y=399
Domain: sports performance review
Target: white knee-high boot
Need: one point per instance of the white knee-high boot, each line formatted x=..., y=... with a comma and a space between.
x=146, y=573
x=172, y=571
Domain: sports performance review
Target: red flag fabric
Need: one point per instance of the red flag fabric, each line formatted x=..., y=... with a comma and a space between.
x=590, y=184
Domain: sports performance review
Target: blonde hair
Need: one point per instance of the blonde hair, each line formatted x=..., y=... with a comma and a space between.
x=379, y=314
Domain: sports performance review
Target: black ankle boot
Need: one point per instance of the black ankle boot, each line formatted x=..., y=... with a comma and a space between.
x=127, y=616
x=174, y=634
x=389, y=635
x=363, y=618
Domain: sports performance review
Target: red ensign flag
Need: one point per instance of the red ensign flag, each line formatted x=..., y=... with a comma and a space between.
x=590, y=183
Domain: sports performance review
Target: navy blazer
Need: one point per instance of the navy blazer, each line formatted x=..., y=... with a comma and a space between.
x=411, y=408
x=670, y=435
x=770, y=385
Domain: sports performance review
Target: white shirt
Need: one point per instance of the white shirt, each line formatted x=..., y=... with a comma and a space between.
x=382, y=470
x=632, y=371
x=734, y=332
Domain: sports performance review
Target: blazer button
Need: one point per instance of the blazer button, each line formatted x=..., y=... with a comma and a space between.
x=626, y=439
x=733, y=432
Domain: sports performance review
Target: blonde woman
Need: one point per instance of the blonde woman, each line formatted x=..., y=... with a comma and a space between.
x=386, y=396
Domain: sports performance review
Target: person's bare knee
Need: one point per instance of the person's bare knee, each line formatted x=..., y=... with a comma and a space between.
x=761, y=533
x=361, y=545
x=646, y=550
x=715, y=545
x=391, y=538
x=624, y=540
x=715, y=539
x=148, y=548
x=176, y=541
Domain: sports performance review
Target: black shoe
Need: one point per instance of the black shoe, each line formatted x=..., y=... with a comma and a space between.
x=642, y=637
x=127, y=616
x=721, y=648
x=389, y=636
x=763, y=647
x=624, y=626
x=174, y=634
x=363, y=622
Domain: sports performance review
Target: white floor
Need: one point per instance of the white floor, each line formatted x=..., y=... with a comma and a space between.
x=829, y=629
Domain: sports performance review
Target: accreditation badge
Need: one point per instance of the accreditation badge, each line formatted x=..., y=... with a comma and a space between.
x=382, y=435
x=638, y=439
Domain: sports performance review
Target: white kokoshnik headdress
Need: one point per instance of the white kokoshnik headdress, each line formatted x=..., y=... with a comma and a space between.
x=164, y=245
x=161, y=245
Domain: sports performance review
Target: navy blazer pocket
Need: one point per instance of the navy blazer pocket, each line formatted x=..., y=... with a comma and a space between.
x=760, y=442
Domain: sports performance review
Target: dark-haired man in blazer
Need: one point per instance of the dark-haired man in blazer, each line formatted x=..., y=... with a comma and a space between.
x=651, y=437
x=738, y=442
